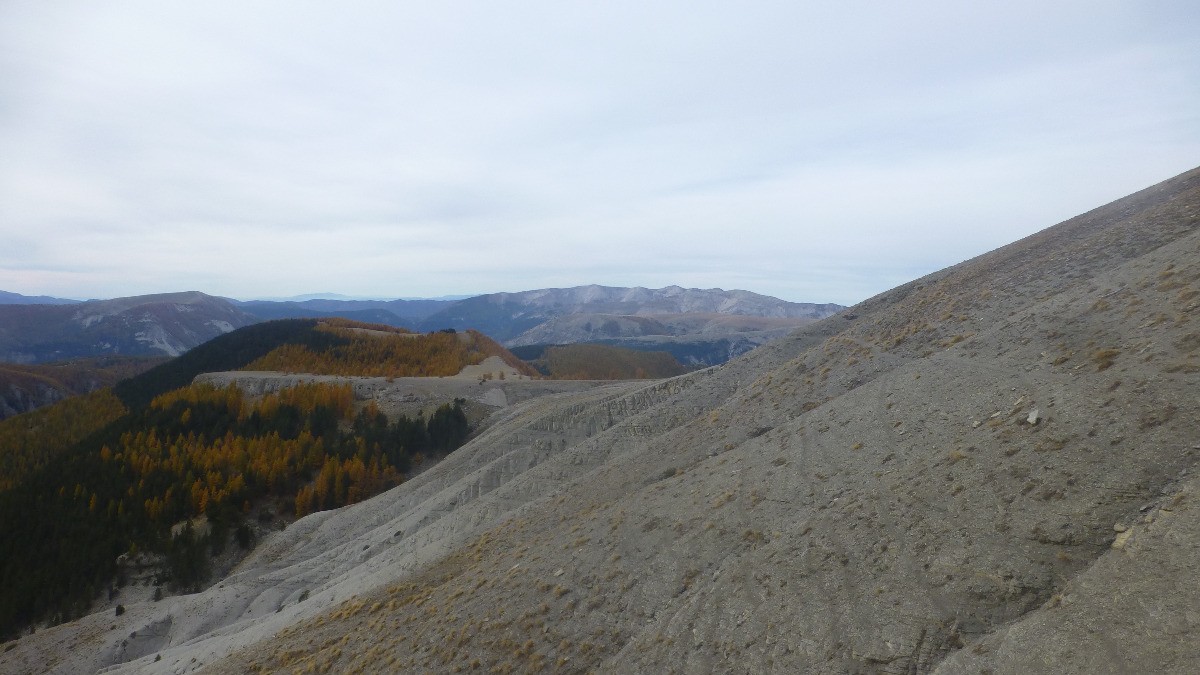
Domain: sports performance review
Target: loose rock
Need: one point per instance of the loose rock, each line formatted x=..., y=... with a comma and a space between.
x=1122, y=539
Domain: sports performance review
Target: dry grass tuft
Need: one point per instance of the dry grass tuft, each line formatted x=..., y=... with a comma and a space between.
x=1105, y=358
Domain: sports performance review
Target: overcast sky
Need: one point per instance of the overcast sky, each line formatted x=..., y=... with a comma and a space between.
x=814, y=151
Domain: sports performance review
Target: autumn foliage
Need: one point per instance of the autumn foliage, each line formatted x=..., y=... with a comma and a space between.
x=197, y=451
x=28, y=441
x=384, y=351
x=89, y=479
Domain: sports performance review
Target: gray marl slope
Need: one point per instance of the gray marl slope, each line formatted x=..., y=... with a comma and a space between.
x=870, y=494
x=933, y=480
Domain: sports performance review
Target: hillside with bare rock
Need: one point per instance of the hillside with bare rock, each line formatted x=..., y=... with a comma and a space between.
x=696, y=339
x=165, y=324
x=988, y=469
x=27, y=387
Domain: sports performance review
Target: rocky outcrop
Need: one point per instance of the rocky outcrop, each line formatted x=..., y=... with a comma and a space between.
x=17, y=398
x=24, y=388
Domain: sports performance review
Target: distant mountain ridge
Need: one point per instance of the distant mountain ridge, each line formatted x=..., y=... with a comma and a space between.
x=403, y=313
x=505, y=316
x=166, y=324
x=699, y=326
x=9, y=298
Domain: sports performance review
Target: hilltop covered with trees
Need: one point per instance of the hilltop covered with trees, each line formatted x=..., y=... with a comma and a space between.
x=342, y=347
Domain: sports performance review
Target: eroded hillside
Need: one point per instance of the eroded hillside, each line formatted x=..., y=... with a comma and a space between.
x=987, y=468
x=165, y=324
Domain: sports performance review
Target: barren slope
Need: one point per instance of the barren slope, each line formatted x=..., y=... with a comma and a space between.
x=932, y=479
x=145, y=325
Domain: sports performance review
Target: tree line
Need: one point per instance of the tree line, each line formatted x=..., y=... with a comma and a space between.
x=385, y=351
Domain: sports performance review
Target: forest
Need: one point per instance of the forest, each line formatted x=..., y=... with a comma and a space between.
x=376, y=350
x=30, y=440
x=114, y=472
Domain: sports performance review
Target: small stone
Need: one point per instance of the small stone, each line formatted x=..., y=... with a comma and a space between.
x=1033, y=418
x=558, y=572
x=975, y=424
x=1122, y=539
x=1120, y=527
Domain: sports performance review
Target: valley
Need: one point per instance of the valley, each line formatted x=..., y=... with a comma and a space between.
x=24, y=388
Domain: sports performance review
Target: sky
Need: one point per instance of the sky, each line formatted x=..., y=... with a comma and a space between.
x=813, y=151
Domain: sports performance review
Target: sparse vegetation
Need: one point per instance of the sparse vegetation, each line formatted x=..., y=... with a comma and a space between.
x=1157, y=416
x=1105, y=358
x=955, y=339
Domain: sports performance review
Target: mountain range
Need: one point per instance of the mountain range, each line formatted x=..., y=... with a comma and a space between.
x=7, y=298
x=506, y=316
x=169, y=324
x=388, y=312
x=165, y=324
x=988, y=469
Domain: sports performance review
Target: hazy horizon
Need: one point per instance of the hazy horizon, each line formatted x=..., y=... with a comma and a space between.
x=353, y=298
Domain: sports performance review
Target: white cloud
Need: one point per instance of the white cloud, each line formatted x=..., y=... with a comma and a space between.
x=811, y=151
